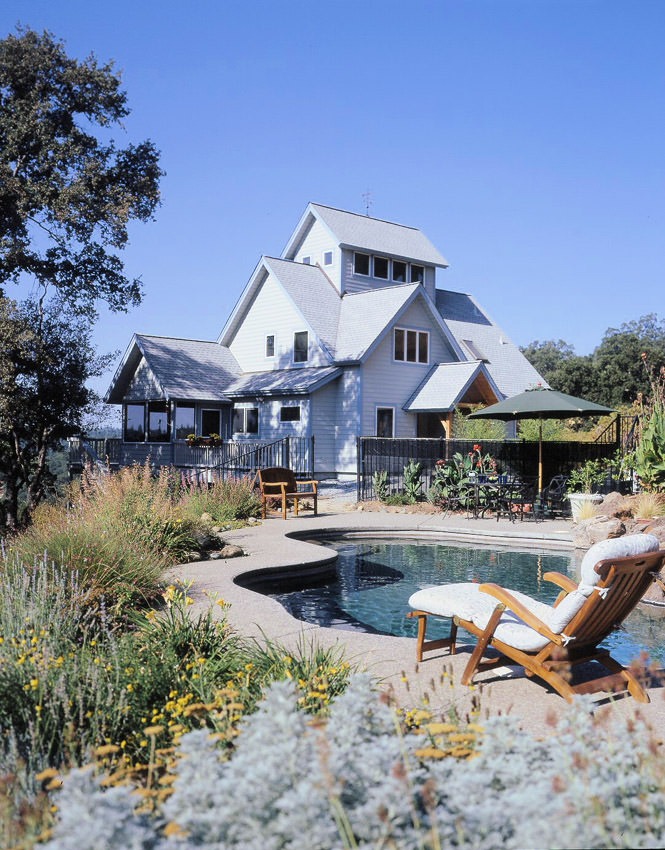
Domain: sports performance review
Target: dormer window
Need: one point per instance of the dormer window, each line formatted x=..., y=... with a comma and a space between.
x=381, y=267
x=417, y=273
x=361, y=264
x=399, y=271
x=300, y=347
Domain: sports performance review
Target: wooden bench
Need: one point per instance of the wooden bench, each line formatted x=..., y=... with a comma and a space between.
x=279, y=483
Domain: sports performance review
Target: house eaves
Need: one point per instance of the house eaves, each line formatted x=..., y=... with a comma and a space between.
x=448, y=384
x=282, y=382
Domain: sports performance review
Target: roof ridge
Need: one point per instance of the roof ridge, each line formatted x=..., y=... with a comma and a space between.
x=370, y=217
x=179, y=338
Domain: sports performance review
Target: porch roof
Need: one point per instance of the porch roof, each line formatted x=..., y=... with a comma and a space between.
x=281, y=382
x=449, y=384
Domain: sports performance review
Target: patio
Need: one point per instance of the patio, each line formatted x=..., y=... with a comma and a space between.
x=274, y=544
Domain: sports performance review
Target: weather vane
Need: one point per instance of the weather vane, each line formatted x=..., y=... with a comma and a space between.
x=367, y=198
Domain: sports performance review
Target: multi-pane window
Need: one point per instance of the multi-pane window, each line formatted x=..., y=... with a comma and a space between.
x=417, y=273
x=270, y=345
x=245, y=420
x=290, y=413
x=411, y=346
x=385, y=422
x=134, y=423
x=300, y=347
x=185, y=421
x=383, y=268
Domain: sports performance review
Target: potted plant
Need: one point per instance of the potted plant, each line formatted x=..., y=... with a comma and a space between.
x=582, y=483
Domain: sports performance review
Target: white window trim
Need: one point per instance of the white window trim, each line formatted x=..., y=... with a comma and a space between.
x=290, y=421
x=406, y=271
x=293, y=351
x=388, y=265
x=245, y=406
x=369, y=262
x=332, y=258
x=307, y=261
x=274, y=347
x=416, y=362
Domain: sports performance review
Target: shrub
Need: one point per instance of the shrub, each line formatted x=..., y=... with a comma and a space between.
x=361, y=780
x=380, y=484
x=412, y=484
x=224, y=500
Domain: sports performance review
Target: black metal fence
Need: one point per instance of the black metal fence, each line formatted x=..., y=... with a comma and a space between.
x=514, y=457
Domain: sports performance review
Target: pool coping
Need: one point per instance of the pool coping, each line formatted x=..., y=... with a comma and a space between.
x=278, y=545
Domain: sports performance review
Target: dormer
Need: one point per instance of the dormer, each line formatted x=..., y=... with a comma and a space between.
x=358, y=252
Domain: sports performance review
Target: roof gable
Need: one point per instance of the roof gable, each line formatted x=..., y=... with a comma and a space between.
x=186, y=369
x=449, y=384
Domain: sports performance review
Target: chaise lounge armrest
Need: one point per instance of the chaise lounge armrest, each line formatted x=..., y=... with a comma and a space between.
x=564, y=582
x=506, y=598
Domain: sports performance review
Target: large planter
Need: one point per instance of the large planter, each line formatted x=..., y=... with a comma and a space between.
x=578, y=499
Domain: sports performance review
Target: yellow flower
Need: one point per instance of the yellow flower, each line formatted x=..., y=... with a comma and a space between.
x=153, y=730
x=34, y=684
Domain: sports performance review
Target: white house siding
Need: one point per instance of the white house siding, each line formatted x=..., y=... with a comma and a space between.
x=143, y=385
x=315, y=244
x=270, y=426
x=387, y=383
x=324, y=409
x=347, y=419
x=272, y=313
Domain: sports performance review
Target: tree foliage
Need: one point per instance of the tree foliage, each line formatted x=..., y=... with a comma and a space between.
x=613, y=374
x=67, y=192
x=46, y=357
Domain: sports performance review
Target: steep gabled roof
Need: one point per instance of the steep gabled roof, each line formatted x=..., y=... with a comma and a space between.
x=448, y=384
x=308, y=288
x=188, y=369
x=480, y=338
x=364, y=233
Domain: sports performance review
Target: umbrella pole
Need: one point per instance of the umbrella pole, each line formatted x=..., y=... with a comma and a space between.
x=540, y=455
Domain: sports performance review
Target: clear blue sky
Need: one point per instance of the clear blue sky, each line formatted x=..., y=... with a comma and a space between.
x=526, y=138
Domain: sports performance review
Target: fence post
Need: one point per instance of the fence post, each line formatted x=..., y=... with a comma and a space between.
x=360, y=480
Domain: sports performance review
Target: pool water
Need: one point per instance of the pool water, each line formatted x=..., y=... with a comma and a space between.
x=376, y=577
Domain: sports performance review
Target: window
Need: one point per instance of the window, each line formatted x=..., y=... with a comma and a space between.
x=399, y=271
x=134, y=423
x=361, y=264
x=158, y=422
x=474, y=351
x=307, y=260
x=290, y=413
x=270, y=345
x=210, y=420
x=417, y=274
x=300, y=347
x=185, y=421
x=411, y=346
x=384, y=422
x=327, y=258
x=245, y=420
x=381, y=267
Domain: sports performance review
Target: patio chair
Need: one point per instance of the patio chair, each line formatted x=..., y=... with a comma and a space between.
x=549, y=640
x=279, y=484
x=553, y=497
x=518, y=499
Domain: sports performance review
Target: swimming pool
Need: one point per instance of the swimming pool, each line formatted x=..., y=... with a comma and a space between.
x=374, y=578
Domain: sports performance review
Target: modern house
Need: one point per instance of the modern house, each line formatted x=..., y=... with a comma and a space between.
x=345, y=334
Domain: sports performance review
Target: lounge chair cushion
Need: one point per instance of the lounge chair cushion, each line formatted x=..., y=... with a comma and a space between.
x=616, y=547
x=465, y=600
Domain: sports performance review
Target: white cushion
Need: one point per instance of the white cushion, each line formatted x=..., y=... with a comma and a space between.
x=617, y=547
x=449, y=600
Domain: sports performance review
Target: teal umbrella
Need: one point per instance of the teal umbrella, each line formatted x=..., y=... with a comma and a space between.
x=541, y=403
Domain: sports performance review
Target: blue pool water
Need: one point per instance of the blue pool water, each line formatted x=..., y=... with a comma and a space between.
x=375, y=577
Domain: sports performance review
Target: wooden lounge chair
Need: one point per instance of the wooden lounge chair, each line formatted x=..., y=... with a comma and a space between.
x=549, y=640
x=279, y=484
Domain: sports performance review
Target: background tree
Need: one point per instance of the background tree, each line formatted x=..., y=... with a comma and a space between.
x=46, y=358
x=66, y=197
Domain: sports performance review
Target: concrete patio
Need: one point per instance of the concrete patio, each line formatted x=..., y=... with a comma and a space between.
x=270, y=545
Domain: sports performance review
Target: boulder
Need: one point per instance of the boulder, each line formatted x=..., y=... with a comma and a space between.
x=595, y=529
x=230, y=551
x=616, y=505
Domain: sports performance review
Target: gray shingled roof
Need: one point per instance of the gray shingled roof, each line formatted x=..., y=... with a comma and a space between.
x=281, y=382
x=445, y=385
x=384, y=237
x=365, y=315
x=187, y=369
x=313, y=294
x=509, y=368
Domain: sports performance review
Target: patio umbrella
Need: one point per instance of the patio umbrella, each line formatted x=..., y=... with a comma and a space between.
x=541, y=403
